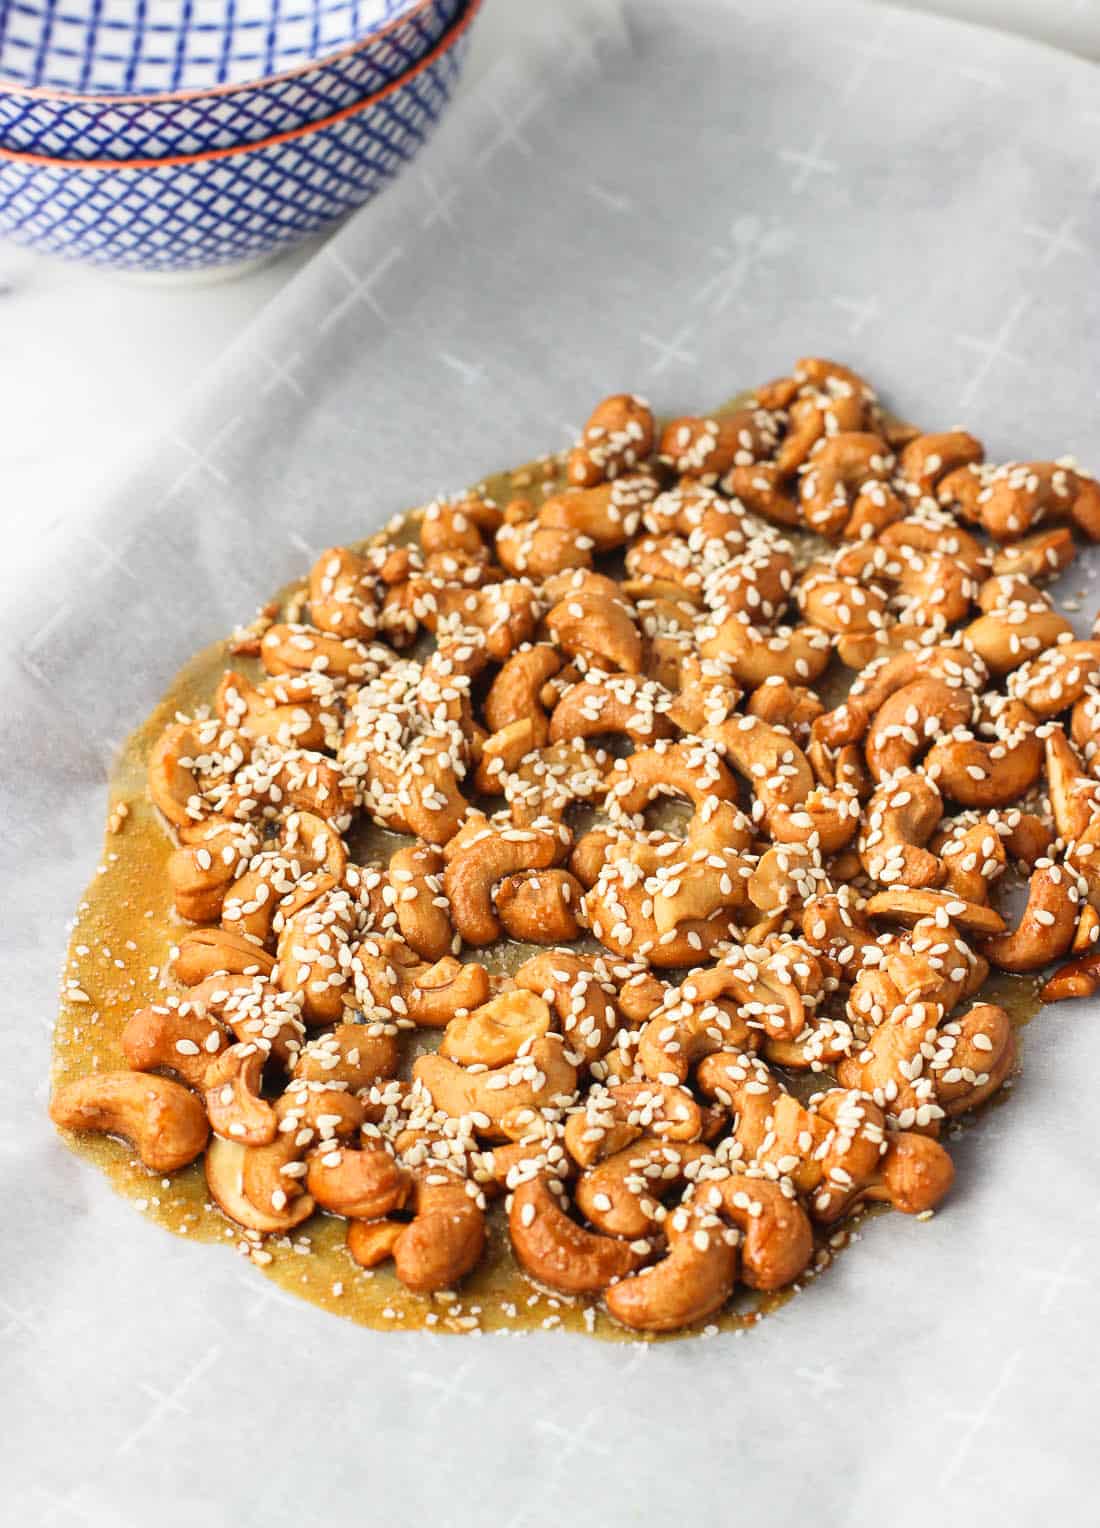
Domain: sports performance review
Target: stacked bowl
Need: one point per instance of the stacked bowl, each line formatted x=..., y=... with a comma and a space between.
x=174, y=135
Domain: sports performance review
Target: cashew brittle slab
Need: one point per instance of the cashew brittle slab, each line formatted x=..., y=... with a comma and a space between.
x=572, y=906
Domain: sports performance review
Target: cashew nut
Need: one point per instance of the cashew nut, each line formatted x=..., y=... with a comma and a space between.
x=166, y=1123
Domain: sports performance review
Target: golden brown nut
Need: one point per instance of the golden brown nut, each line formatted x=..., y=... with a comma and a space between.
x=166, y=1123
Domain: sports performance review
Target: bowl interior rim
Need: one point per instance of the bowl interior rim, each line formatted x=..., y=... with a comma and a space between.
x=105, y=99
x=175, y=161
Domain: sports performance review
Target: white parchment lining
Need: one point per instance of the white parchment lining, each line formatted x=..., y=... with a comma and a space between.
x=679, y=199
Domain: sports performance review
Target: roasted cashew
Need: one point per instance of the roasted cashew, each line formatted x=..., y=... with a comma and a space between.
x=926, y=460
x=494, y=1034
x=974, y=1055
x=981, y=774
x=747, y=1086
x=825, y=821
x=344, y=594
x=915, y=1173
x=515, y=692
x=901, y=817
x=760, y=488
x=837, y=929
x=691, y=1282
x=911, y=907
x=614, y=1117
x=777, y=1241
x=598, y=630
x=694, y=1023
x=841, y=605
x=354, y=1054
x=913, y=718
x=953, y=666
x=786, y=876
x=540, y=1077
x=1043, y=554
x=755, y=585
x=1077, y=978
x=618, y=435
x=559, y=1253
x=780, y=703
x=621, y=1194
x=635, y=708
x=444, y=1240
x=607, y=515
x=231, y=1095
x=704, y=449
x=646, y=905
x=1013, y=498
x=527, y=549
x=1008, y=637
x=504, y=612
x=582, y=992
x=392, y=985
x=209, y=952
x=314, y=956
x=360, y=1184
x=547, y=782
x=458, y=525
x=1085, y=727
x=165, y=1122
x=312, y=1113
x=664, y=564
x=255, y=1010
x=1058, y=678
x=278, y=780
x=484, y=862
x=830, y=1151
x=187, y=761
x=226, y=1163
x=370, y=1242
x=298, y=649
x=796, y=653
x=169, y=1036
x=919, y=1069
x=290, y=711
x=540, y=906
x=1046, y=927
x=768, y=758
x=837, y=474
x=930, y=965
x=1004, y=590
x=698, y=514
x=1074, y=795
x=691, y=769
x=973, y=858
x=413, y=896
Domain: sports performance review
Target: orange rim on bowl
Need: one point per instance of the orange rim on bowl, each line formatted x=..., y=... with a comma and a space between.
x=447, y=41
x=108, y=99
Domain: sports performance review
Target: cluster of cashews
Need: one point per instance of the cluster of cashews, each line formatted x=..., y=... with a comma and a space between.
x=765, y=886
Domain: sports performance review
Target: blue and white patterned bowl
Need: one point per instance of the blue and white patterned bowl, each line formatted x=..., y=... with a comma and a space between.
x=232, y=205
x=65, y=125
x=134, y=47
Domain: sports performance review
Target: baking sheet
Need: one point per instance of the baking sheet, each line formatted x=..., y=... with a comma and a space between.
x=678, y=200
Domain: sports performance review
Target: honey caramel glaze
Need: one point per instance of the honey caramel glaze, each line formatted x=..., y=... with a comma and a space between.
x=118, y=961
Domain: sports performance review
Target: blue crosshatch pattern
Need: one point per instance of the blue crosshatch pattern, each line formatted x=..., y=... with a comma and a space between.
x=152, y=45
x=119, y=129
x=224, y=210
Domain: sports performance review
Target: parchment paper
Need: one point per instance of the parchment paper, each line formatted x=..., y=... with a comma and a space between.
x=680, y=200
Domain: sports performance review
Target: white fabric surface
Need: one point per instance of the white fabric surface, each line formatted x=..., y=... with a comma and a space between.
x=678, y=204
